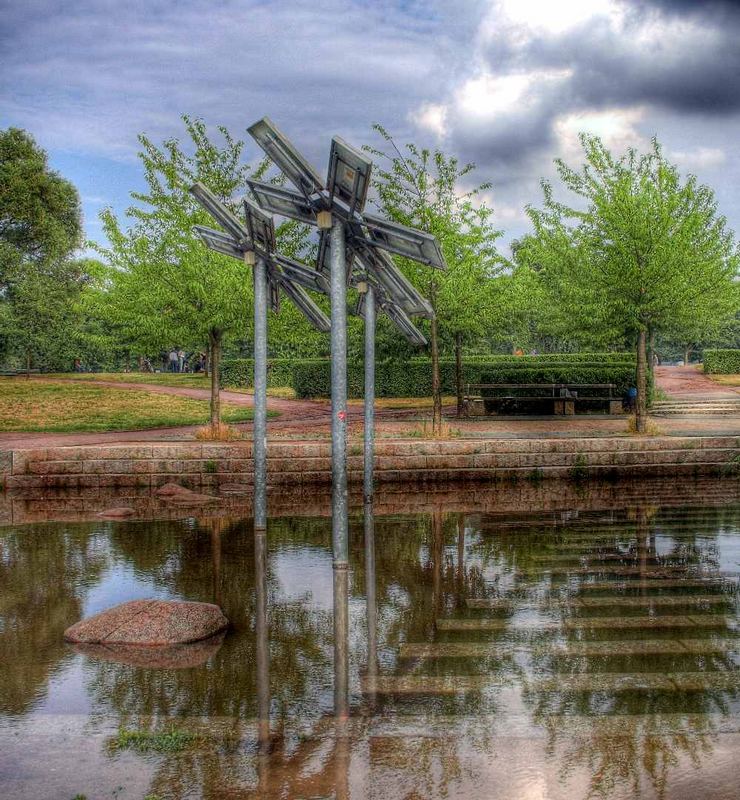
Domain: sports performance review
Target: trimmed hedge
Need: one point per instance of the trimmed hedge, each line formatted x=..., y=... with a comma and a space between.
x=239, y=372
x=414, y=378
x=544, y=358
x=722, y=362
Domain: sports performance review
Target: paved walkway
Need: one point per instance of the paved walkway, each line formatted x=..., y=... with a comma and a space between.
x=691, y=384
x=309, y=419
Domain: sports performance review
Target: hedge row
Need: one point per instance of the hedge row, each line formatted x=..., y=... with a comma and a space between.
x=722, y=362
x=239, y=372
x=414, y=378
x=545, y=358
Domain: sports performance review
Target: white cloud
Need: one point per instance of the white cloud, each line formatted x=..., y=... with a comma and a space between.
x=700, y=158
x=618, y=128
x=431, y=117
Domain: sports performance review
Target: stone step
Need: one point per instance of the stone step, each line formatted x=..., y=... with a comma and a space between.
x=657, y=583
x=595, y=682
x=587, y=623
x=599, y=602
x=609, y=569
x=639, y=647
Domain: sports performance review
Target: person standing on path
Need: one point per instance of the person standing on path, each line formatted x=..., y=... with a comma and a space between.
x=181, y=360
x=173, y=360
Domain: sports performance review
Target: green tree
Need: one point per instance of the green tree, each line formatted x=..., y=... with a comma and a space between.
x=40, y=227
x=422, y=188
x=641, y=251
x=165, y=287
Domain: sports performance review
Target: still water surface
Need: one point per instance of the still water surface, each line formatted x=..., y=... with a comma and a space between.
x=588, y=654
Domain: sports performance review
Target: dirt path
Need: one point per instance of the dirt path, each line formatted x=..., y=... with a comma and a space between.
x=690, y=383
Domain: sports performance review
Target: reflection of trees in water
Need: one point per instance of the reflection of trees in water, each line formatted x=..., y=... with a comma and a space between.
x=44, y=573
x=184, y=560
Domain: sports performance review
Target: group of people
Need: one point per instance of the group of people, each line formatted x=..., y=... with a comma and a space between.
x=178, y=361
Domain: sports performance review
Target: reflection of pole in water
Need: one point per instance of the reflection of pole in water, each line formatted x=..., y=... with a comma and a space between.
x=262, y=655
x=437, y=554
x=642, y=543
x=216, y=526
x=370, y=600
x=341, y=640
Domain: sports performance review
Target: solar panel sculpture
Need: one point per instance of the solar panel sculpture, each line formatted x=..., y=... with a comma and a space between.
x=353, y=247
x=253, y=241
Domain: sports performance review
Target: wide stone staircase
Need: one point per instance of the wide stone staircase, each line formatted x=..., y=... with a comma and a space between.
x=721, y=405
x=632, y=619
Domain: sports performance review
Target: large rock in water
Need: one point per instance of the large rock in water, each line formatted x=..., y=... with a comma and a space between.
x=150, y=623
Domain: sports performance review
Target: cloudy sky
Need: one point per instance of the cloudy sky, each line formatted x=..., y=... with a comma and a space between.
x=507, y=84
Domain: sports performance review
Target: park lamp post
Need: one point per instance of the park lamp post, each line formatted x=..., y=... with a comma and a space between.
x=254, y=243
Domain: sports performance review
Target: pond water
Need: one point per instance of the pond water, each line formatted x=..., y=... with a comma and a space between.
x=563, y=654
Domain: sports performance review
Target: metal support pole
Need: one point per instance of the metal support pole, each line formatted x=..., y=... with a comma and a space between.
x=369, y=393
x=340, y=543
x=260, y=395
x=370, y=600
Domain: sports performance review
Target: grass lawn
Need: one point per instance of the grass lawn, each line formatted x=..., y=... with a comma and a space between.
x=188, y=380
x=726, y=380
x=53, y=406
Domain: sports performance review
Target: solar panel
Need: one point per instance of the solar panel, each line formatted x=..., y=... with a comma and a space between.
x=349, y=175
x=260, y=227
x=404, y=241
x=286, y=157
x=223, y=215
x=218, y=241
x=400, y=290
x=310, y=310
x=301, y=274
x=404, y=324
x=283, y=202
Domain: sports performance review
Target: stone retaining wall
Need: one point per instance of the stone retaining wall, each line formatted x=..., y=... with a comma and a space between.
x=212, y=465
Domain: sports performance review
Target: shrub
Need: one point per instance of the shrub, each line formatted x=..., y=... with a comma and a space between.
x=722, y=362
x=239, y=372
x=564, y=358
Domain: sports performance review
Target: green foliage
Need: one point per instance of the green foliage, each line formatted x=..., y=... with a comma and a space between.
x=239, y=372
x=40, y=227
x=722, y=362
x=312, y=378
x=40, y=219
x=641, y=252
x=170, y=741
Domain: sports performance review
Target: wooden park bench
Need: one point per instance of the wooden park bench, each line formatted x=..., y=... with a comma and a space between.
x=560, y=397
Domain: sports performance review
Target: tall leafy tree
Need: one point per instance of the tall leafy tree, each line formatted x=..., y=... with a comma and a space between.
x=424, y=189
x=642, y=250
x=40, y=228
x=166, y=288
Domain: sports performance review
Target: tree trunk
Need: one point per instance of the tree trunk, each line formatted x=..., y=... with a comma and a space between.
x=459, y=373
x=215, y=347
x=28, y=365
x=686, y=354
x=641, y=407
x=436, y=384
x=651, y=348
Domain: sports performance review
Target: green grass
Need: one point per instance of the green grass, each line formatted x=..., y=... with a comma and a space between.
x=171, y=741
x=187, y=380
x=53, y=406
